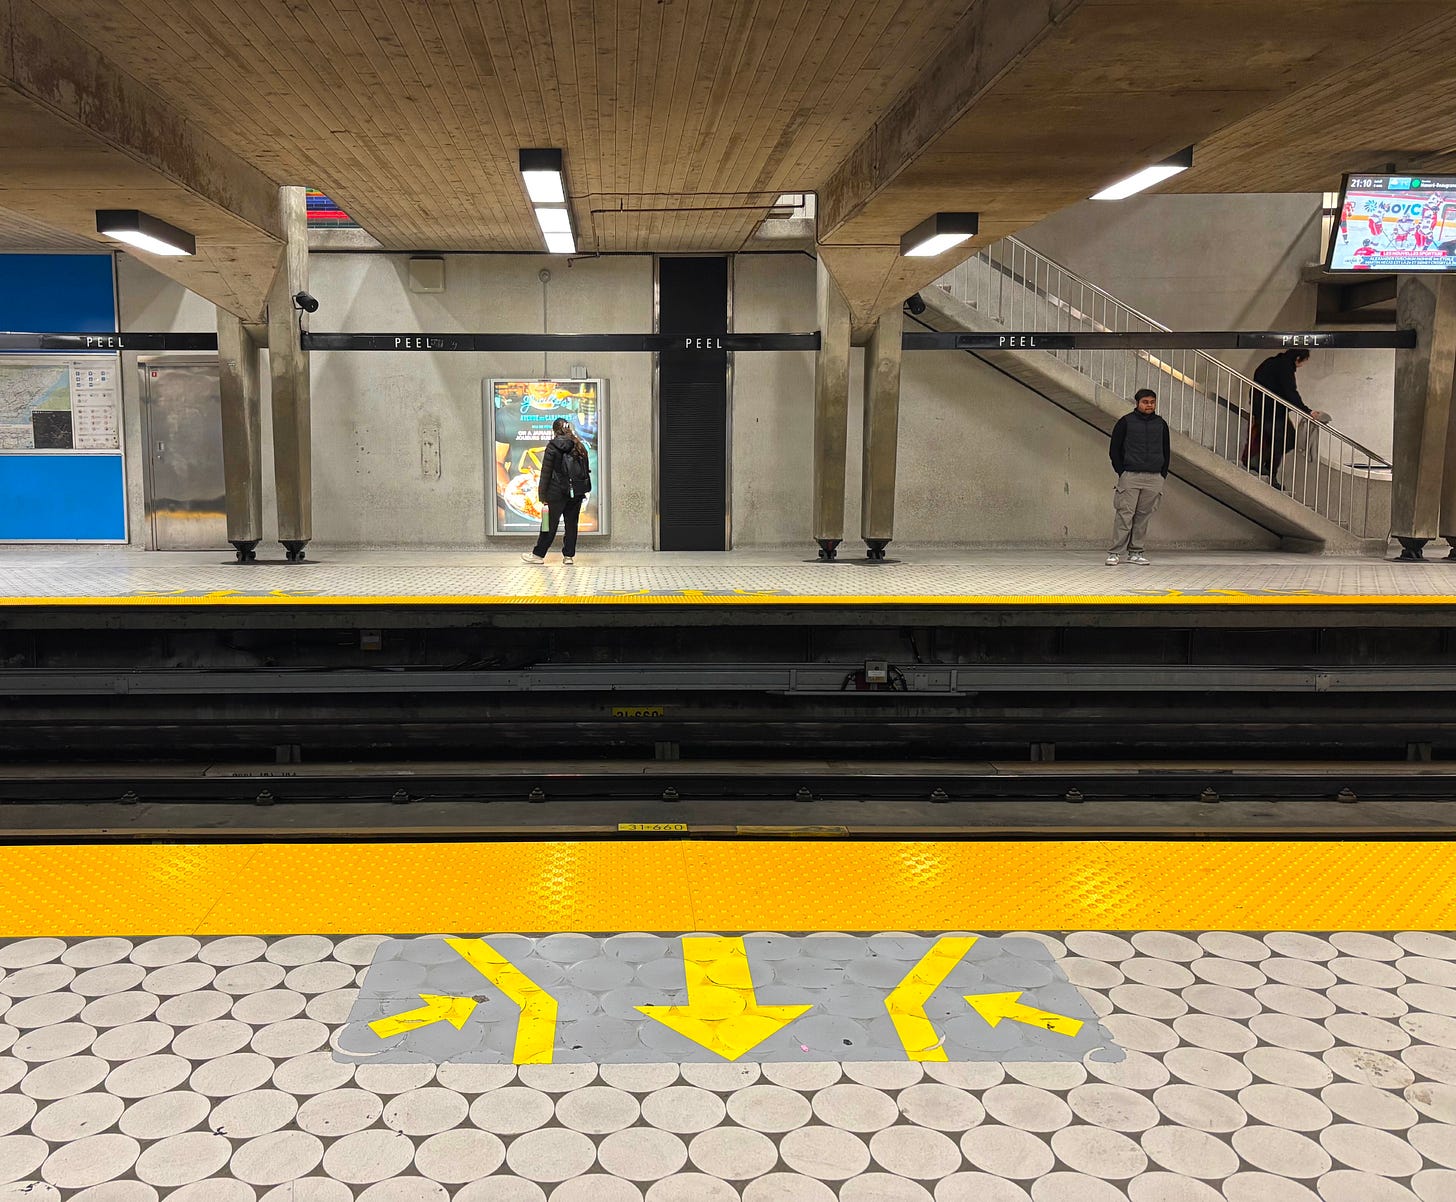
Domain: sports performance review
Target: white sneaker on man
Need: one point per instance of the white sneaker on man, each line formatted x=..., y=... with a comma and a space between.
x=532, y=557
x=568, y=560
x=1113, y=561
x=1138, y=557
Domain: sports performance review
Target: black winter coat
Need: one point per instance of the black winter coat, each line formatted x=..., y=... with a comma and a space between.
x=1276, y=377
x=563, y=475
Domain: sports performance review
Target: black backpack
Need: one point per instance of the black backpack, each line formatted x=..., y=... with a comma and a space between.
x=577, y=473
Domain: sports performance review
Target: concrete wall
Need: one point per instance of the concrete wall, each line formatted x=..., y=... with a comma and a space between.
x=1230, y=263
x=369, y=488
x=984, y=462
x=368, y=408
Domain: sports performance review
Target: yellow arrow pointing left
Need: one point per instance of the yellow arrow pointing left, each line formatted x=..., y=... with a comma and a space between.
x=906, y=1003
x=453, y=1010
x=723, y=1013
x=993, y=1007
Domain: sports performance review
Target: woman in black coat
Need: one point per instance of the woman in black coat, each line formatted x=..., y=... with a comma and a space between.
x=1271, y=432
x=565, y=482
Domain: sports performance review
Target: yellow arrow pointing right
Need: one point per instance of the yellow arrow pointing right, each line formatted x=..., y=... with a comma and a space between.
x=536, y=1028
x=993, y=1007
x=453, y=1010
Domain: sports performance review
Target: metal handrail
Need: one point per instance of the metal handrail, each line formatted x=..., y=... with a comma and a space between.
x=1155, y=324
x=1204, y=399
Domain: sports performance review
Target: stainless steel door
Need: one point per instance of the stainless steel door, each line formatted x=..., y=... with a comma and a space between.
x=182, y=422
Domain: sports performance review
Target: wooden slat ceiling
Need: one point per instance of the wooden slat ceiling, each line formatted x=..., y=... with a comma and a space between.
x=1397, y=105
x=21, y=234
x=682, y=120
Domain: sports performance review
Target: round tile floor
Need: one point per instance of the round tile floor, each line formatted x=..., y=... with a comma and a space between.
x=1284, y=1066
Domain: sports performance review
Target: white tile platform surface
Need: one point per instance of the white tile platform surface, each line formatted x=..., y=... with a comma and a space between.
x=1275, y=1067
x=929, y=574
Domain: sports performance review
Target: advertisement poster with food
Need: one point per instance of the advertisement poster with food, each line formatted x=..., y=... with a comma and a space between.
x=1395, y=223
x=520, y=413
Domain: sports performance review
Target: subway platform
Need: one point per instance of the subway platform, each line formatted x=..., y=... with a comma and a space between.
x=762, y=579
x=709, y=1021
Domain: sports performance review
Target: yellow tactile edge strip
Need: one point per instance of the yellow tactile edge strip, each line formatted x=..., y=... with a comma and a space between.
x=684, y=885
x=1233, y=598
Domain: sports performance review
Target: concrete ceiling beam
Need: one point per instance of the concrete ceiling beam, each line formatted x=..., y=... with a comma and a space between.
x=1033, y=105
x=78, y=134
x=988, y=41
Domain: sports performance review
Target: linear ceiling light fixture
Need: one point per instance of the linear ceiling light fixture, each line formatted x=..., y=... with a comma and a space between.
x=545, y=178
x=938, y=233
x=1141, y=181
x=145, y=232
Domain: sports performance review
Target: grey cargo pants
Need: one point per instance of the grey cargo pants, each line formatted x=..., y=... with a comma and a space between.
x=1135, y=499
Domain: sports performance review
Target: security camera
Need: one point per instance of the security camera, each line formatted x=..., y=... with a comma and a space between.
x=915, y=304
x=302, y=300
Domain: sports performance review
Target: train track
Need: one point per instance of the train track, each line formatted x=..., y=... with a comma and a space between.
x=821, y=799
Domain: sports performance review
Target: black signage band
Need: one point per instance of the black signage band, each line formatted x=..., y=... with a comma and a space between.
x=108, y=342
x=1160, y=340
x=1030, y=340
x=561, y=342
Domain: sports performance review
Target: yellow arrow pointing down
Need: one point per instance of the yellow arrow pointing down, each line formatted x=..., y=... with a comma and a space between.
x=536, y=1028
x=723, y=1012
x=993, y=1007
x=453, y=1010
x=906, y=1002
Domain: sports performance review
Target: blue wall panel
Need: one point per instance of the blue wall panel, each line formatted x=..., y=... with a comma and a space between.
x=57, y=497
x=57, y=293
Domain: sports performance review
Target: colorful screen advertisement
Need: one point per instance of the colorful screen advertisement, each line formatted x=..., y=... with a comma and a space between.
x=519, y=414
x=1393, y=223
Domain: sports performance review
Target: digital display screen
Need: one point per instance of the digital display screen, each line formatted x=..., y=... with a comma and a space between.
x=518, y=424
x=1395, y=223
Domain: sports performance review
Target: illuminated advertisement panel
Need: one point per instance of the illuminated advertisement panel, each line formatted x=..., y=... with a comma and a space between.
x=1394, y=223
x=519, y=414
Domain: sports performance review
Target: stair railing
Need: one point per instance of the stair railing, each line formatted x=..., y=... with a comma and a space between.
x=1202, y=398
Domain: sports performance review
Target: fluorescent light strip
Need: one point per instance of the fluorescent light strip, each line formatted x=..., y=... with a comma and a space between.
x=1140, y=181
x=544, y=187
x=145, y=242
x=561, y=243
x=936, y=244
x=553, y=221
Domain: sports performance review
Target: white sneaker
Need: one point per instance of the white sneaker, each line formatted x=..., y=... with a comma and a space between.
x=1139, y=558
x=532, y=557
x=1113, y=561
x=568, y=559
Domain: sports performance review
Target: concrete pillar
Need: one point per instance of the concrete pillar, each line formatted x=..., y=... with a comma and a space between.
x=881, y=433
x=1423, y=380
x=831, y=412
x=242, y=434
x=288, y=372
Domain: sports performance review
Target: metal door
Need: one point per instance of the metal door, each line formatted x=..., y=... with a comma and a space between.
x=182, y=424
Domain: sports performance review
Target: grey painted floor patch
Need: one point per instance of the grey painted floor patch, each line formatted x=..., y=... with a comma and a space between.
x=642, y=998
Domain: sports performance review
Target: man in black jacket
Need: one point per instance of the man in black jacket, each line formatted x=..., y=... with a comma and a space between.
x=1271, y=433
x=1141, y=452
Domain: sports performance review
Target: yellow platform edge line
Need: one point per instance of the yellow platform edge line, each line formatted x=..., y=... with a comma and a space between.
x=978, y=599
x=725, y=887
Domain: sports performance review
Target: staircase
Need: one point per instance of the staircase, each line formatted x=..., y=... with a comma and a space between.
x=1335, y=495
